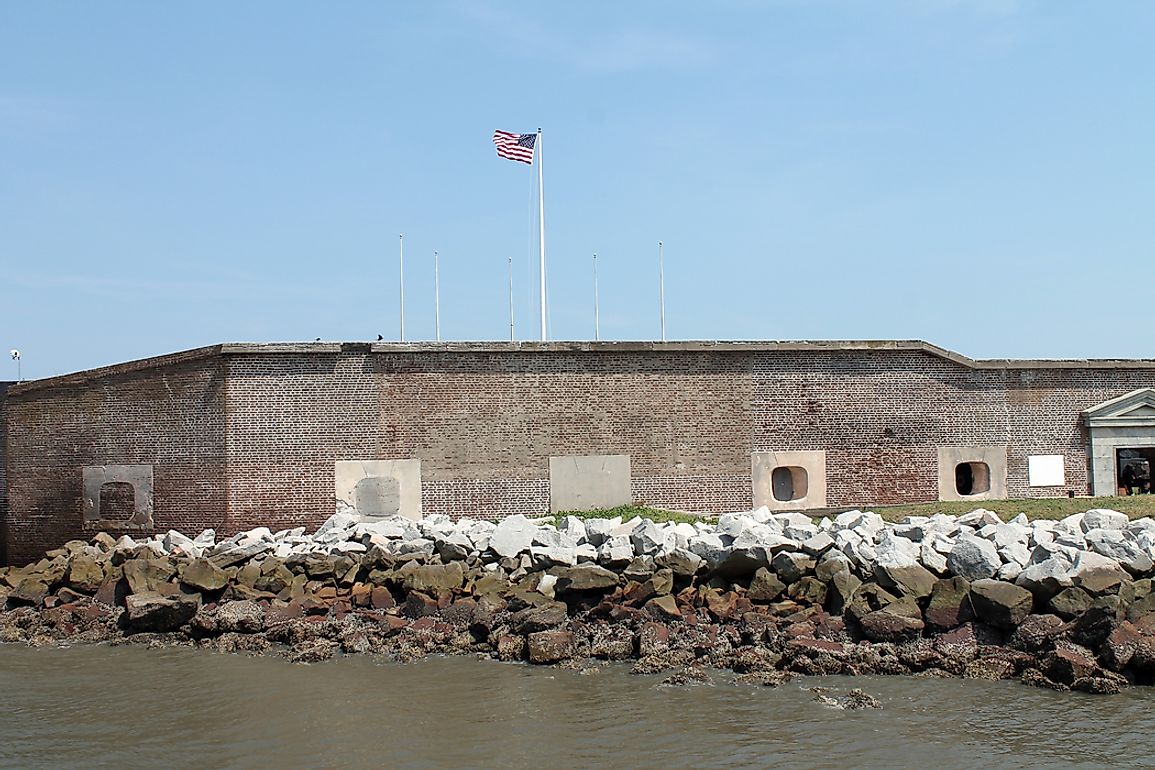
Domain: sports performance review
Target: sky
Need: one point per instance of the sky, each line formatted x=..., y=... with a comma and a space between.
x=979, y=174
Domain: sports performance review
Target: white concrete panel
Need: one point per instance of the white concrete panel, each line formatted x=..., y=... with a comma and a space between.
x=588, y=482
x=1046, y=471
x=377, y=488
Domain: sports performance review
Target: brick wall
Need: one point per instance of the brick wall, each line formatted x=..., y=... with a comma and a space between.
x=483, y=425
x=170, y=417
x=3, y=474
x=246, y=435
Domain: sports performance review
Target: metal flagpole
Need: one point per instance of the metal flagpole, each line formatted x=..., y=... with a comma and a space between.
x=597, y=320
x=662, y=288
x=541, y=228
x=437, y=296
x=401, y=281
x=510, y=260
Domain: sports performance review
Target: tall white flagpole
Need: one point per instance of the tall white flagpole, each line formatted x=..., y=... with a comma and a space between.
x=401, y=280
x=662, y=288
x=597, y=320
x=437, y=296
x=509, y=259
x=541, y=229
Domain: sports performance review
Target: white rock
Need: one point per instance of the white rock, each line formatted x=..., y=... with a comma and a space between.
x=1102, y=518
x=173, y=540
x=512, y=536
x=598, y=530
x=647, y=539
x=565, y=556
x=1015, y=553
x=932, y=559
x=337, y=521
x=974, y=558
x=615, y=552
x=573, y=526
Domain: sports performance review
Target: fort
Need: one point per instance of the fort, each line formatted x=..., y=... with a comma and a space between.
x=235, y=436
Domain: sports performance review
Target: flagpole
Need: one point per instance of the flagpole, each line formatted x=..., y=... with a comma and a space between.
x=597, y=320
x=662, y=288
x=401, y=280
x=509, y=259
x=437, y=296
x=541, y=228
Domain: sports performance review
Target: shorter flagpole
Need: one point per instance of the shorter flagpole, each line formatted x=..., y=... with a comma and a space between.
x=597, y=320
x=437, y=296
x=662, y=288
x=509, y=260
x=401, y=281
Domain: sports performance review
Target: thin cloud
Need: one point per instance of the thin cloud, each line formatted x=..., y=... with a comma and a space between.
x=628, y=49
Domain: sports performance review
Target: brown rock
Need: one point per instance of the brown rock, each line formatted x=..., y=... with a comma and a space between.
x=203, y=575
x=722, y=606
x=886, y=625
x=381, y=599
x=510, y=647
x=533, y=619
x=765, y=586
x=29, y=591
x=1002, y=605
x=1070, y=603
x=808, y=590
x=551, y=646
x=112, y=592
x=663, y=607
x=950, y=604
x=146, y=575
x=1036, y=633
x=150, y=611
x=85, y=573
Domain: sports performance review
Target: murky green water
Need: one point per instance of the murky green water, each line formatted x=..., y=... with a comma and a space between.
x=136, y=708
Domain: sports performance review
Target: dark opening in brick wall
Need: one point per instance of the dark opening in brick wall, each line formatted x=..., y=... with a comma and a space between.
x=972, y=478
x=788, y=482
x=117, y=501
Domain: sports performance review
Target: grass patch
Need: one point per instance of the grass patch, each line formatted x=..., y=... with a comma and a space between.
x=627, y=512
x=1136, y=507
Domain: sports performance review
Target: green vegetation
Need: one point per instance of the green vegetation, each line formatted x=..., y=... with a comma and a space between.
x=628, y=512
x=1136, y=507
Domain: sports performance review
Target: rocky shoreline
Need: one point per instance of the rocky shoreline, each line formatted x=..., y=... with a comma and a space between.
x=1066, y=605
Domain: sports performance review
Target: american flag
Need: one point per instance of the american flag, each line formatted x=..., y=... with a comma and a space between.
x=515, y=146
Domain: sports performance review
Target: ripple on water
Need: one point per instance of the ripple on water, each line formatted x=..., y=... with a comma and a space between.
x=129, y=707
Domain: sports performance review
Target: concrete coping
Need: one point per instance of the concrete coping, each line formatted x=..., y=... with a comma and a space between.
x=584, y=346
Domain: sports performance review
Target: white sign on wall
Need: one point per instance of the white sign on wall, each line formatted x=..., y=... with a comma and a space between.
x=1046, y=471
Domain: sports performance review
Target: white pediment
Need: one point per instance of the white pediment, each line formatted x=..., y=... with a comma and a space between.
x=1136, y=408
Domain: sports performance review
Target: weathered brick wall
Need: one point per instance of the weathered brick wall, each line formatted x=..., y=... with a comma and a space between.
x=484, y=425
x=3, y=473
x=169, y=417
x=1044, y=417
x=881, y=416
x=250, y=436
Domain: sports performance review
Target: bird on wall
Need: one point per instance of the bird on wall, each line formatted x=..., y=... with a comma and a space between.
x=379, y=338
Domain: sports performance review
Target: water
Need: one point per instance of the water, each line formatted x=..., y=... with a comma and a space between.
x=135, y=708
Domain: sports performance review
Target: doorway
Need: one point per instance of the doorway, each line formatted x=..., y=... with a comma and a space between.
x=1133, y=470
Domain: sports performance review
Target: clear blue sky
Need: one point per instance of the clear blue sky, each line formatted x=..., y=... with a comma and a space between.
x=976, y=173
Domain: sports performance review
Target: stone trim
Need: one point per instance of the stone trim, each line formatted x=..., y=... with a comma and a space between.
x=995, y=458
x=762, y=465
x=94, y=477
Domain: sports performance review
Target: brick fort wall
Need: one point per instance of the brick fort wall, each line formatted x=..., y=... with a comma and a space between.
x=247, y=435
